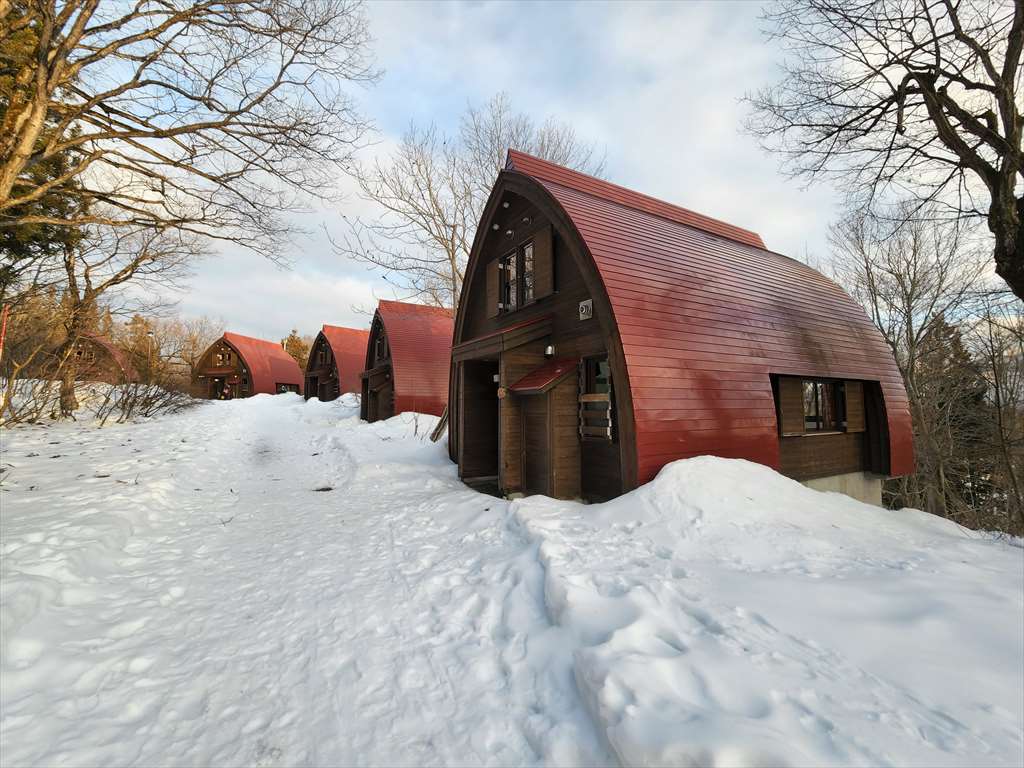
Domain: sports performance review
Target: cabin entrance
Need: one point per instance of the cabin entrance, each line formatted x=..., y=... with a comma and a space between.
x=381, y=404
x=313, y=387
x=222, y=389
x=478, y=422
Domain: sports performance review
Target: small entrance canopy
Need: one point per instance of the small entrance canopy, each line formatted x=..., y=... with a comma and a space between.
x=542, y=379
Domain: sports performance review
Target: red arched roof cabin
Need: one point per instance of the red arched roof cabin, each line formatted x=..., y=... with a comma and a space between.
x=335, y=362
x=408, y=356
x=624, y=332
x=97, y=358
x=242, y=366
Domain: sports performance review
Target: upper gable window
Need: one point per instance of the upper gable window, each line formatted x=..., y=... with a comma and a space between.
x=517, y=277
x=509, y=282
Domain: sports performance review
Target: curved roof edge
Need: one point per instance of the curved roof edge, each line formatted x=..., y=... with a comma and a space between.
x=534, y=166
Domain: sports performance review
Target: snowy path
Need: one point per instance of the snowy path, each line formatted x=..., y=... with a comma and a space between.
x=185, y=595
x=271, y=582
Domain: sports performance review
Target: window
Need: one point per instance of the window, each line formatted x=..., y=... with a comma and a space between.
x=282, y=388
x=824, y=406
x=321, y=355
x=223, y=357
x=517, y=279
x=509, y=283
x=597, y=405
x=528, y=292
x=381, y=350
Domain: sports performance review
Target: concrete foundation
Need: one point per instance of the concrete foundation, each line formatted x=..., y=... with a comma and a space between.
x=863, y=486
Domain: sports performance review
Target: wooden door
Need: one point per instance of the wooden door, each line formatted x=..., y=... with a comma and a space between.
x=536, y=445
x=386, y=401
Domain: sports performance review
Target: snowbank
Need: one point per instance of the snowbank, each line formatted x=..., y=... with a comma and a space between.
x=727, y=615
x=272, y=581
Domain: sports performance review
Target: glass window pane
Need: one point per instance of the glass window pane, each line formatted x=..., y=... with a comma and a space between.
x=527, y=273
x=810, y=405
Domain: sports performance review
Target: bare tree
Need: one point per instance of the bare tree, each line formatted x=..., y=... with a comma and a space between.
x=915, y=280
x=898, y=96
x=997, y=338
x=432, y=190
x=210, y=117
x=105, y=260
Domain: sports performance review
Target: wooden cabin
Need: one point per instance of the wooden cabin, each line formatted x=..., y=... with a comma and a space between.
x=408, y=356
x=335, y=362
x=602, y=333
x=99, y=359
x=241, y=366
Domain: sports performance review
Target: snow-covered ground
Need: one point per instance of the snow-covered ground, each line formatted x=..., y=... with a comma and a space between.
x=271, y=582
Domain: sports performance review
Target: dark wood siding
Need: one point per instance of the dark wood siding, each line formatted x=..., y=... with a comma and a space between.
x=493, y=288
x=791, y=405
x=566, y=482
x=543, y=263
x=514, y=365
x=810, y=456
x=536, y=443
x=855, y=406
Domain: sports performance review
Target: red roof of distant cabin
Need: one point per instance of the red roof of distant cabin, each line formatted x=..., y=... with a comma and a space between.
x=268, y=363
x=348, y=346
x=705, y=313
x=420, y=339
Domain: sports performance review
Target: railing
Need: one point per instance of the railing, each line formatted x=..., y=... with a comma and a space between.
x=596, y=416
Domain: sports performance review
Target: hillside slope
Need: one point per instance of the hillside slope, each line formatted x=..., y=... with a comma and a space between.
x=272, y=582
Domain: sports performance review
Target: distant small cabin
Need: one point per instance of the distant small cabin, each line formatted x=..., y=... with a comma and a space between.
x=241, y=366
x=408, y=355
x=96, y=358
x=602, y=333
x=335, y=362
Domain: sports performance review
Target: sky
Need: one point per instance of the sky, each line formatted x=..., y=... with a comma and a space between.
x=656, y=87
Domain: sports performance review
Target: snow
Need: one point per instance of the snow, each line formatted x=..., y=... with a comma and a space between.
x=272, y=582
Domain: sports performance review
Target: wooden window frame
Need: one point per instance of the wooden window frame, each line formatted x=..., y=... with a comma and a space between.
x=839, y=405
x=518, y=292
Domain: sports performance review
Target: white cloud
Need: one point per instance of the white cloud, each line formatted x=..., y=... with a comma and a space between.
x=657, y=85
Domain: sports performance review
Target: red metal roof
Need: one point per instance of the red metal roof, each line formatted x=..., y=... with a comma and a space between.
x=420, y=340
x=348, y=346
x=544, y=377
x=268, y=364
x=117, y=354
x=705, y=313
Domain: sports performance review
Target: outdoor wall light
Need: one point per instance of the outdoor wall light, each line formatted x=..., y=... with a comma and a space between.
x=549, y=351
x=505, y=204
x=509, y=232
x=496, y=378
x=527, y=219
x=495, y=227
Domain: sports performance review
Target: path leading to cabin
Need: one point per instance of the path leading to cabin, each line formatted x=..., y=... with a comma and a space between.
x=271, y=582
x=252, y=584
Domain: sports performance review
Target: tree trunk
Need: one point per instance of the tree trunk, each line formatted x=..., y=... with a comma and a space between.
x=1009, y=248
x=68, y=401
